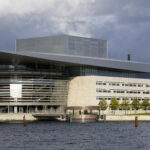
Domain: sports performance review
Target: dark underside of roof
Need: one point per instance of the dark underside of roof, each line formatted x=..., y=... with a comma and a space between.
x=10, y=57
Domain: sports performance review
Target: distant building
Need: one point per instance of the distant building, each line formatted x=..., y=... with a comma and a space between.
x=52, y=73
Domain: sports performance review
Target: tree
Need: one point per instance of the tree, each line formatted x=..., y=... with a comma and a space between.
x=103, y=104
x=145, y=104
x=114, y=104
x=136, y=104
x=125, y=105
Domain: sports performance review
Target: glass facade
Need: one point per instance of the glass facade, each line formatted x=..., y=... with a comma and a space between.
x=97, y=71
x=42, y=85
x=45, y=85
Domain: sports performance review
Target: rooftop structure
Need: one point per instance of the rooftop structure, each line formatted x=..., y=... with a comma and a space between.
x=64, y=44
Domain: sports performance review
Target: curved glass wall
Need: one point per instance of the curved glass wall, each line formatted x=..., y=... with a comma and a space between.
x=41, y=85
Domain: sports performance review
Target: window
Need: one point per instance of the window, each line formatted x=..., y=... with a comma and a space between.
x=140, y=85
x=100, y=83
x=147, y=92
x=103, y=91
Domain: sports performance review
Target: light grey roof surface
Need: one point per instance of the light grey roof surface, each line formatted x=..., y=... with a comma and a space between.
x=9, y=56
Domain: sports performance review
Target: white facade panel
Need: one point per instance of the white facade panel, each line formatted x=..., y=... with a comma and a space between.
x=85, y=90
x=16, y=90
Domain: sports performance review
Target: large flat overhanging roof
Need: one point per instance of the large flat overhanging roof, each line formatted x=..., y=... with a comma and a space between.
x=28, y=57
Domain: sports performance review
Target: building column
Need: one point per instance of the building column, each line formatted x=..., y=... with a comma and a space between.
x=36, y=108
x=27, y=109
x=44, y=108
x=52, y=110
x=73, y=111
x=15, y=109
x=60, y=109
x=8, y=108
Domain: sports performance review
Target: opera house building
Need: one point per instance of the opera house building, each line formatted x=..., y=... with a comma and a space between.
x=59, y=73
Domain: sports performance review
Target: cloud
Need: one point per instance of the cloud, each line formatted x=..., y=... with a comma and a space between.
x=125, y=24
x=23, y=7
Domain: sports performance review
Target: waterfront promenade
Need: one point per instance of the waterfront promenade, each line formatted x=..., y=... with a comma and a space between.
x=115, y=116
x=16, y=117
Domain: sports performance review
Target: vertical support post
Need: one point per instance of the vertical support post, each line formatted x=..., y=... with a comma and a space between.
x=8, y=108
x=36, y=108
x=27, y=109
x=104, y=117
x=15, y=109
x=45, y=108
x=70, y=118
x=24, y=121
x=61, y=109
x=73, y=111
x=79, y=112
x=136, y=121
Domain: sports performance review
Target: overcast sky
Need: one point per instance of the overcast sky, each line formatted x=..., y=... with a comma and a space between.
x=124, y=23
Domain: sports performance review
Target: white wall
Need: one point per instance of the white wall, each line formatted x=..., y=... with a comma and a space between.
x=82, y=89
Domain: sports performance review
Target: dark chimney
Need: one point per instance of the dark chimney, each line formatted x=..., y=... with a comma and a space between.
x=129, y=57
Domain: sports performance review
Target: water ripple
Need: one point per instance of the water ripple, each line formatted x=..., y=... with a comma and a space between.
x=66, y=136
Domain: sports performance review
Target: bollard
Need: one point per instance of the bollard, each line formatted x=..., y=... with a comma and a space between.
x=24, y=121
x=69, y=118
x=136, y=121
x=104, y=116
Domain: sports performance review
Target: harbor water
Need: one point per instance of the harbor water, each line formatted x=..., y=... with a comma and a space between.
x=75, y=136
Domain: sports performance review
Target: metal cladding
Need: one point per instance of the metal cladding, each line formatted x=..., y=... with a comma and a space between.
x=64, y=44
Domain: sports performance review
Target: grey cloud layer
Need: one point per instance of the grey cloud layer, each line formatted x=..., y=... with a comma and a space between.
x=124, y=23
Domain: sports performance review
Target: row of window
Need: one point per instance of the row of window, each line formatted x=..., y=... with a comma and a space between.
x=113, y=73
x=120, y=98
x=106, y=98
x=122, y=91
x=103, y=91
x=122, y=84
